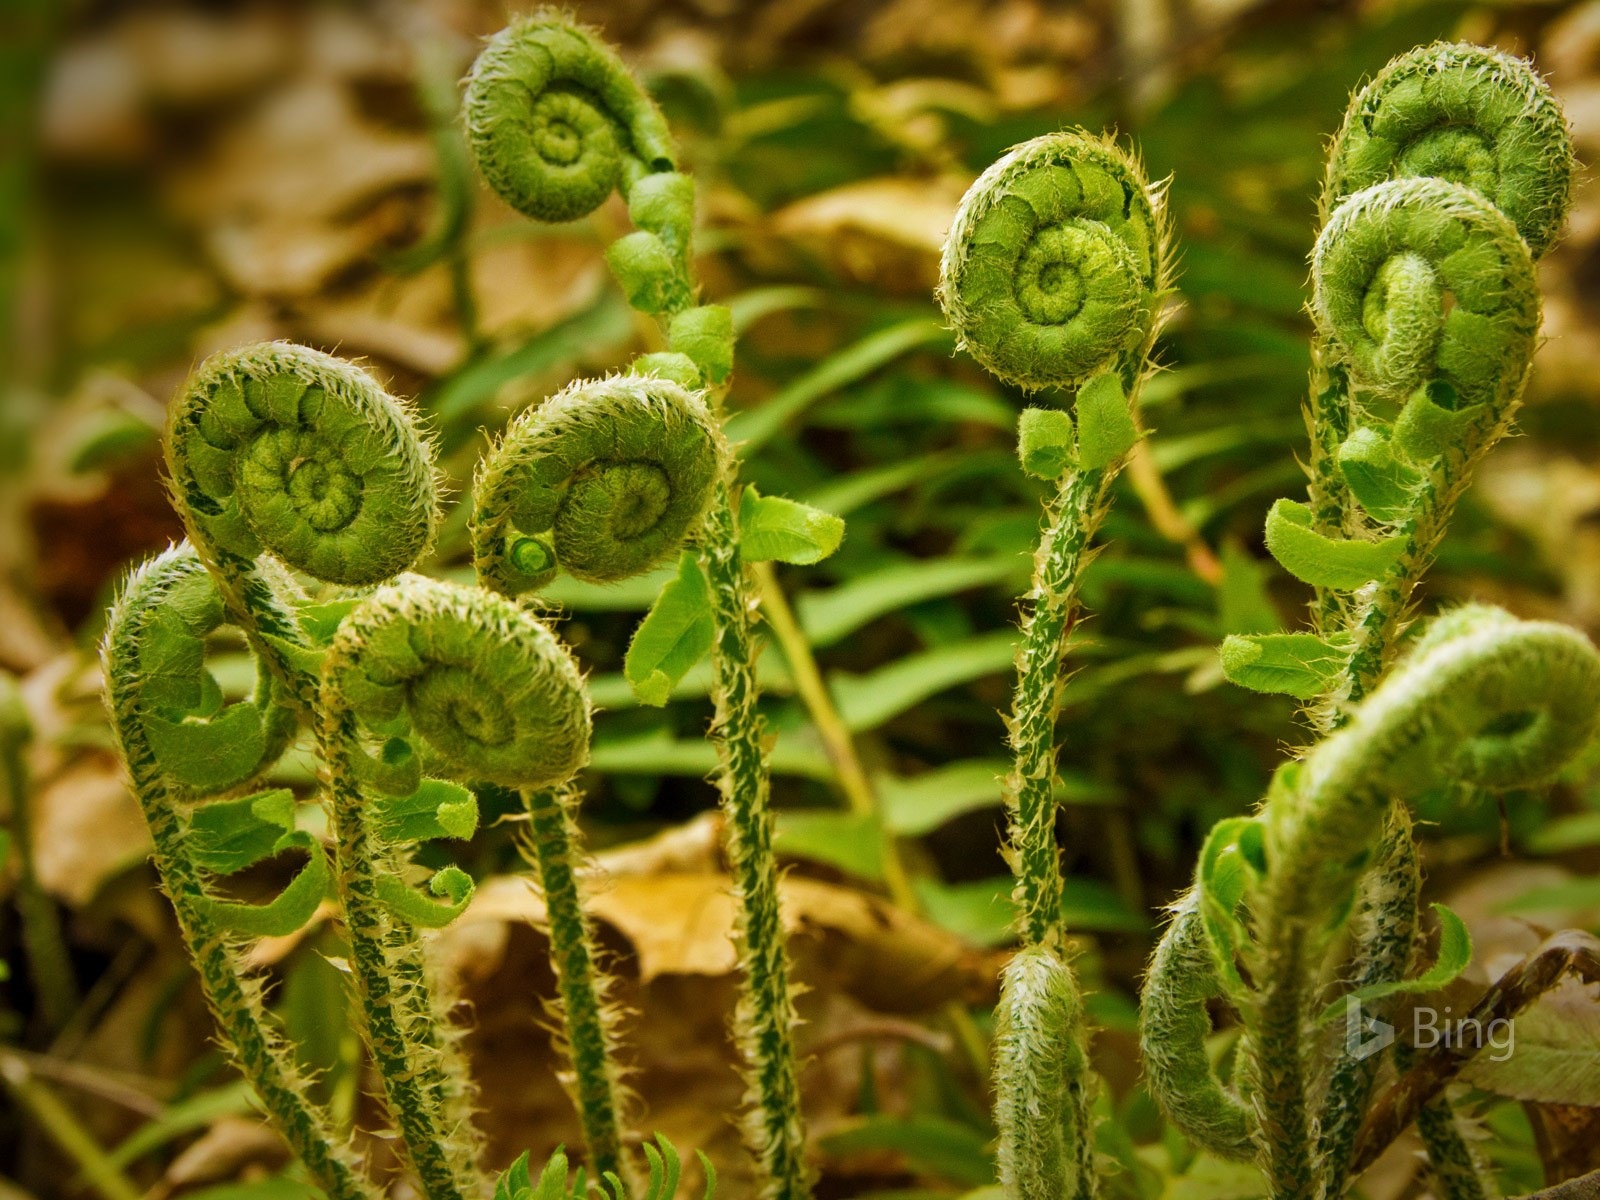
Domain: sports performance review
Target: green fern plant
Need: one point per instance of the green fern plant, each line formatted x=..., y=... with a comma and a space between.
x=1452, y=172
x=1053, y=276
x=310, y=498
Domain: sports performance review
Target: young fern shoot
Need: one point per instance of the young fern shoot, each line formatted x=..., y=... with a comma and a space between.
x=469, y=680
x=557, y=123
x=183, y=750
x=1427, y=313
x=605, y=481
x=285, y=457
x=1053, y=276
x=1427, y=310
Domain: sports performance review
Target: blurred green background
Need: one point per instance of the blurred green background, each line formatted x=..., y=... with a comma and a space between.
x=179, y=179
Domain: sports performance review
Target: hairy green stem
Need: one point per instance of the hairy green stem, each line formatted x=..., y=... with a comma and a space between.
x=588, y=1022
x=1064, y=550
x=767, y=1017
x=1276, y=1078
x=397, y=1012
x=235, y=1000
x=1384, y=933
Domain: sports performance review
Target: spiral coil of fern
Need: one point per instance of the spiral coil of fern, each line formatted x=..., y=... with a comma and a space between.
x=1052, y=276
x=1429, y=292
x=1482, y=699
x=468, y=679
x=1068, y=216
x=604, y=480
x=1467, y=114
x=652, y=265
x=179, y=744
x=278, y=452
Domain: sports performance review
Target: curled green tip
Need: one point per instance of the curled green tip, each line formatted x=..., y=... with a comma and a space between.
x=281, y=448
x=609, y=477
x=1422, y=280
x=557, y=122
x=1055, y=263
x=486, y=684
x=1468, y=114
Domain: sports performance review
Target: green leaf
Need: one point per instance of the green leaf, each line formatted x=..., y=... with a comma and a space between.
x=305, y=659
x=1455, y=952
x=234, y=1099
x=933, y=1145
x=981, y=911
x=1224, y=873
x=755, y=427
x=209, y=753
x=1384, y=486
x=1243, y=603
x=1213, y=1178
x=657, y=752
x=321, y=621
x=675, y=635
x=225, y=836
x=851, y=842
x=1301, y=665
x=514, y=1183
x=867, y=701
x=1105, y=426
x=1322, y=561
x=921, y=803
x=828, y=616
x=291, y=908
x=777, y=528
x=437, y=809
x=629, y=595
x=1427, y=428
x=1044, y=442
x=452, y=884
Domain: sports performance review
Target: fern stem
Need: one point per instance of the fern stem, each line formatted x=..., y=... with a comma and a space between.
x=235, y=1001
x=589, y=1025
x=766, y=1018
x=390, y=987
x=1278, y=1067
x=1385, y=932
x=1064, y=551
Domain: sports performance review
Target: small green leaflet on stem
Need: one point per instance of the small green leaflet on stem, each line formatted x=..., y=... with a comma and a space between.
x=774, y=528
x=675, y=634
x=1322, y=561
x=1301, y=665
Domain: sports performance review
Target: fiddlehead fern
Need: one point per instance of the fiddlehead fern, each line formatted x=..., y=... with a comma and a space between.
x=280, y=452
x=1466, y=113
x=1483, y=699
x=557, y=122
x=1173, y=1027
x=1053, y=276
x=180, y=743
x=1044, y=1153
x=652, y=264
x=603, y=480
x=1055, y=262
x=1463, y=113
x=1427, y=151
x=466, y=678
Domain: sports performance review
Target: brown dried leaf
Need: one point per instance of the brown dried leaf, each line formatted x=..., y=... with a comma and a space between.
x=88, y=829
x=885, y=232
